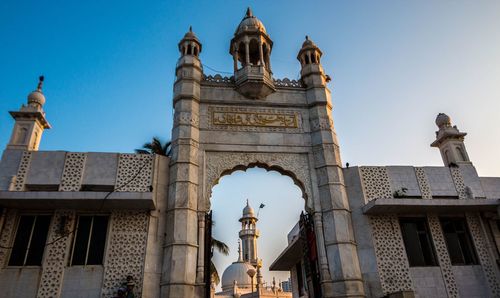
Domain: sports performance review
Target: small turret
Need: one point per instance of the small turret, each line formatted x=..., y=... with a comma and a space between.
x=450, y=142
x=251, y=49
x=310, y=60
x=249, y=235
x=30, y=121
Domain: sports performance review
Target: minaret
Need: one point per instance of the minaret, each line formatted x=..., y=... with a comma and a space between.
x=249, y=235
x=251, y=49
x=186, y=230
x=345, y=279
x=450, y=142
x=30, y=122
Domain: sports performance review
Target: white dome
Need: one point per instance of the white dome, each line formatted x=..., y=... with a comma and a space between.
x=248, y=211
x=250, y=23
x=237, y=271
x=36, y=97
x=443, y=120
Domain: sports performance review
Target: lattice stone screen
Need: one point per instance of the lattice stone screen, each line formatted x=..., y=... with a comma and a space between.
x=135, y=173
x=126, y=251
x=376, y=183
x=393, y=266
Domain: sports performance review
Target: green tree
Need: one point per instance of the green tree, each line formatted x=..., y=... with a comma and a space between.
x=156, y=146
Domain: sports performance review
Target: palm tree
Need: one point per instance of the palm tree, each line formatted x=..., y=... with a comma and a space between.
x=223, y=249
x=156, y=147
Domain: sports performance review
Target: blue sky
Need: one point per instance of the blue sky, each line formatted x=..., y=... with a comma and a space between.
x=109, y=68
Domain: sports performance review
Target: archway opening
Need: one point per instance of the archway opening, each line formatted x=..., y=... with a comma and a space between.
x=282, y=202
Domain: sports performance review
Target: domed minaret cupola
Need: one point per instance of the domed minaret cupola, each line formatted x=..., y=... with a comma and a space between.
x=310, y=61
x=249, y=235
x=251, y=49
x=190, y=45
x=450, y=142
x=30, y=122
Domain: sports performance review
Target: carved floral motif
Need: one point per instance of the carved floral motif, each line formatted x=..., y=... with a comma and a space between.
x=296, y=166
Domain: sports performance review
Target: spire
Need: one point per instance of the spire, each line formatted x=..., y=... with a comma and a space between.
x=249, y=13
x=240, y=257
x=40, y=83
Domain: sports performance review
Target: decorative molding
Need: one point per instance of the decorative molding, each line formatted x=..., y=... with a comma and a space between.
x=71, y=179
x=392, y=263
x=6, y=235
x=22, y=171
x=442, y=255
x=287, y=83
x=254, y=119
x=486, y=260
x=296, y=166
x=458, y=180
x=217, y=80
x=126, y=251
x=186, y=118
x=324, y=123
x=135, y=173
x=376, y=183
x=56, y=254
x=423, y=183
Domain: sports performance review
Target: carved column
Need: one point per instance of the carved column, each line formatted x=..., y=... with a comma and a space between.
x=247, y=53
x=339, y=242
x=179, y=277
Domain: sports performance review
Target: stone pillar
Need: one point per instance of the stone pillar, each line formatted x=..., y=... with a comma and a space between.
x=339, y=242
x=179, y=274
x=247, y=53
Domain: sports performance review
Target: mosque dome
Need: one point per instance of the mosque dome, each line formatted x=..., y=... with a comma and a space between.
x=443, y=120
x=308, y=43
x=250, y=23
x=237, y=271
x=248, y=211
x=36, y=97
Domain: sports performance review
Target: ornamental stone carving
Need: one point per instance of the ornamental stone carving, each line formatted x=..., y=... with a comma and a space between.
x=186, y=118
x=394, y=270
x=7, y=235
x=482, y=248
x=442, y=255
x=458, y=180
x=22, y=171
x=423, y=183
x=287, y=83
x=217, y=80
x=71, y=179
x=135, y=173
x=126, y=251
x=296, y=166
x=56, y=254
x=252, y=119
x=376, y=183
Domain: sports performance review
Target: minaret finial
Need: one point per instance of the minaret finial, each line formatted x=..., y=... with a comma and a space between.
x=307, y=37
x=40, y=83
x=248, y=203
x=190, y=28
x=240, y=257
x=249, y=12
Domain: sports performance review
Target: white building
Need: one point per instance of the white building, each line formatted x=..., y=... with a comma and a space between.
x=84, y=224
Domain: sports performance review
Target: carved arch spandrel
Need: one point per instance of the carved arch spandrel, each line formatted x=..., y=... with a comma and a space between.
x=294, y=165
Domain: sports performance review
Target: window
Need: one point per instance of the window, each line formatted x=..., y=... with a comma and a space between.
x=30, y=240
x=458, y=241
x=90, y=239
x=418, y=243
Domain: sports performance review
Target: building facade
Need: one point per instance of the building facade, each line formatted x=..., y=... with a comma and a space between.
x=107, y=224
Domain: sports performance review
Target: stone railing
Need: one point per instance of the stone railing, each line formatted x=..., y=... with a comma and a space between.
x=287, y=83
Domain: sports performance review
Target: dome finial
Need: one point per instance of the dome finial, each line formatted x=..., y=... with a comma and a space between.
x=190, y=28
x=249, y=13
x=307, y=37
x=40, y=83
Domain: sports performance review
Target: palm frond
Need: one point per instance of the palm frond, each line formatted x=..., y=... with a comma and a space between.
x=214, y=274
x=220, y=246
